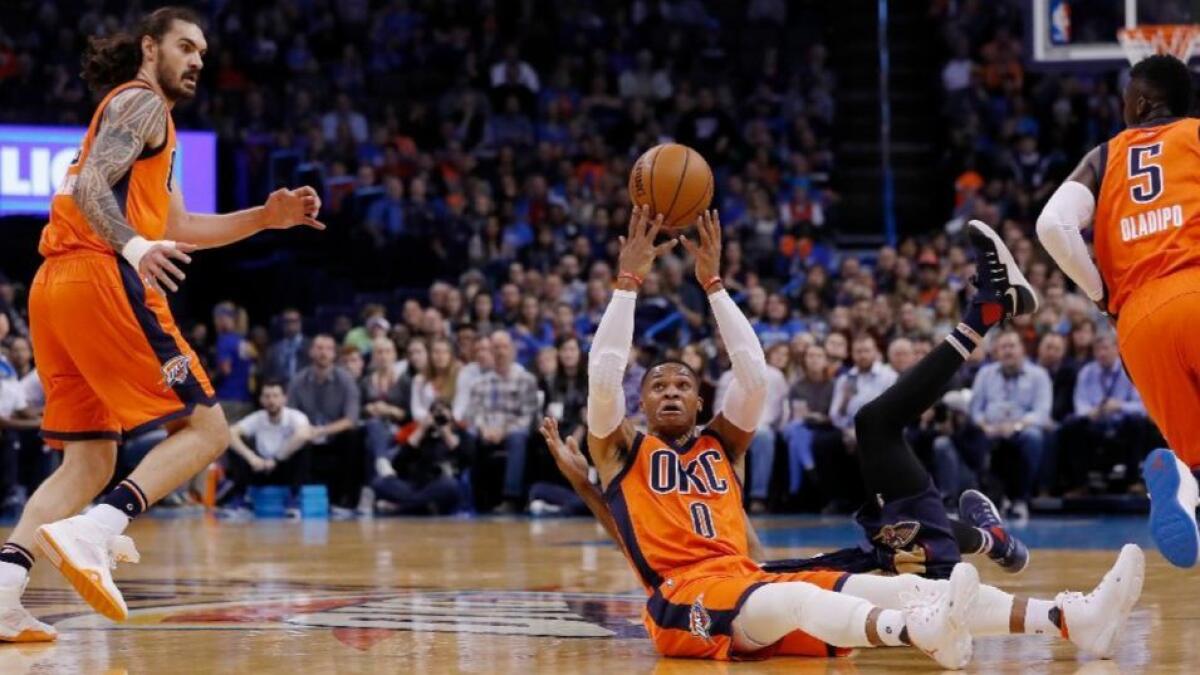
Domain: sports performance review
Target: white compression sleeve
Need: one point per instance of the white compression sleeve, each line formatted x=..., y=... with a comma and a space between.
x=990, y=616
x=1071, y=208
x=606, y=365
x=748, y=394
x=774, y=610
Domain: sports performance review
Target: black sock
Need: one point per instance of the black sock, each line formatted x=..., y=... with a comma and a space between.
x=127, y=498
x=970, y=539
x=16, y=554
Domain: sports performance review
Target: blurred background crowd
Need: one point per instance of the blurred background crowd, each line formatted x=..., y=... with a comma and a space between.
x=473, y=158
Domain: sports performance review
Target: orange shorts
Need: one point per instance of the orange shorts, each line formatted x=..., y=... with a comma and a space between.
x=108, y=352
x=691, y=615
x=1159, y=347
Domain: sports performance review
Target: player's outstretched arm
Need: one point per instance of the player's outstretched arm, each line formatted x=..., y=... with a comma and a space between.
x=608, y=429
x=284, y=208
x=1066, y=214
x=574, y=467
x=743, y=407
x=133, y=120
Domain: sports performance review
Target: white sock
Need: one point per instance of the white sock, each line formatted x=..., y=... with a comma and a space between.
x=890, y=626
x=111, y=519
x=1037, y=618
x=12, y=574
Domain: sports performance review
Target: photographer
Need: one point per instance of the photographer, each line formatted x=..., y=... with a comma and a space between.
x=421, y=476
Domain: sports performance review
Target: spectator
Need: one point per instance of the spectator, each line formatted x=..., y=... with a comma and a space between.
x=17, y=418
x=436, y=382
x=566, y=389
x=900, y=355
x=1011, y=402
x=851, y=391
x=234, y=360
x=1051, y=355
x=696, y=359
x=343, y=116
x=502, y=411
x=329, y=396
x=351, y=360
x=762, y=447
x=385, y=217
x=1109, y=430
x=810, y=399
x=279, y=434
x=374, y=324
x=643, y=81
x=777, y=325
x=289, y=354
x=420, y=477
x=468, y=375
x=532, y=332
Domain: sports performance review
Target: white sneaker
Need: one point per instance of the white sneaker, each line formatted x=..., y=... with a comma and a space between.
x=1091, y=621
x=16, y=623
x=366, y=502
x=85, y=554
x=539, y=507
x=1174, y=496
x=939, y=621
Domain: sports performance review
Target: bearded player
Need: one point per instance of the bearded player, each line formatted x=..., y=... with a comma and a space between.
x=1140, y=191
x=673, y=500
x=108, y=351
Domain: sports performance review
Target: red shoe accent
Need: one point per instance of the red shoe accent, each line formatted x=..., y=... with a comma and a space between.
x=992, y=312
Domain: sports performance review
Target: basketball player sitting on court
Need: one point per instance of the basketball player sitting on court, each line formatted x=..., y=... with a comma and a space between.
x=673, y=499
x=108, y=351
x=1140, y=187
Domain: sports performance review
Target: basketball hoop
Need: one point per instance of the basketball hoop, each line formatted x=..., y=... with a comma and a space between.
x=1179, y=40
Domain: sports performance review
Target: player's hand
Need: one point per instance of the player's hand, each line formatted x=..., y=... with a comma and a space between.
x=287, y=208
x=567, y=456
x=638, y=251
x=708, y=252
x=157, y=268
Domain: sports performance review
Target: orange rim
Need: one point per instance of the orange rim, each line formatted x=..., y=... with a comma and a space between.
x=86, y=583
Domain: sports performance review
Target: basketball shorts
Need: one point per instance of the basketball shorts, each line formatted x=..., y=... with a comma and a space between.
x=108, y=352
x=910, y=535
x=1157, y=336
x=691, y=614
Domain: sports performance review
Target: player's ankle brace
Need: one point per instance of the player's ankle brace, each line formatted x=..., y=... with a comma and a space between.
x=127, y=498
x=16, y=554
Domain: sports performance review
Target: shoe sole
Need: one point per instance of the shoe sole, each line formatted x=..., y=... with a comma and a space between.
x=1015, y=276
x=1171, y=526
x=964, y=591
x=30, y=636
x=85, y=583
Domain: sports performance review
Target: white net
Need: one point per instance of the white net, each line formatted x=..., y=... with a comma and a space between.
x=1179, y=40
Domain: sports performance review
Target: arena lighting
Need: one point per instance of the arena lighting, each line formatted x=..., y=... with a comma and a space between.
x=33, y=160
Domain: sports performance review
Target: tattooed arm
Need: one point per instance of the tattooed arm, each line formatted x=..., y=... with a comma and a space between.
x=134, y=120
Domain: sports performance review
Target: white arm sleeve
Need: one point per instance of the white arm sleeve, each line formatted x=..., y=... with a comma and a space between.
x=1071, y=208
x=746, y=400
x=606, y=365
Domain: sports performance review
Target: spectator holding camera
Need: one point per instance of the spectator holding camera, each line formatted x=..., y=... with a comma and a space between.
x=420, y=475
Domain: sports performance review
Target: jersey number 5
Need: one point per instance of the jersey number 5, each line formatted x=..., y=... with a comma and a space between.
x=702, y=520
x=1146, y=172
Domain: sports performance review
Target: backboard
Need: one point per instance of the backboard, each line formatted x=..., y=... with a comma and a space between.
x=1085, y=31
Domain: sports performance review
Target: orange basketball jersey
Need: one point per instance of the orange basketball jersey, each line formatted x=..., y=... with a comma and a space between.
x=676, y=508
x=1147, y=223
x=144, y=193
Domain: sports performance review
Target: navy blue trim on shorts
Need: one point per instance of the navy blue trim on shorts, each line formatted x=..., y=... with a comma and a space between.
x=68, y=436
x=186, y=411
x=620, y=514
x=189, y=391
x=667, y=614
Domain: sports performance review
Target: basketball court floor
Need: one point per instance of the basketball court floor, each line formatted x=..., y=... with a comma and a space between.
x=506, y=596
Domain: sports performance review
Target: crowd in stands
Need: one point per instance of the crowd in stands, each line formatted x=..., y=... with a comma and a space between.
x=485, y=174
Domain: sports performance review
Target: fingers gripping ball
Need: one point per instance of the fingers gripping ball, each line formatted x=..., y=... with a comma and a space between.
x=673, y=180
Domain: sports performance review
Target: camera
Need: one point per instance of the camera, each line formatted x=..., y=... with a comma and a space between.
x=441, y=415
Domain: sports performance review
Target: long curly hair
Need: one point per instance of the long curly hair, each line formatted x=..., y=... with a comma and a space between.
x=111, y=60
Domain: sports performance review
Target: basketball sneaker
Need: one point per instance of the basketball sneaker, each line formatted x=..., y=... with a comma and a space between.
x=1173, y=499
x=938, y=621
x=85, y=554
x=1007, y=551
x=1092, y=621
x=16, y=623
x=997, y=275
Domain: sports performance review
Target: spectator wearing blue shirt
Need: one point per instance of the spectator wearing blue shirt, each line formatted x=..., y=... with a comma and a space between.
x=532, y=332
x=235, y=360
x=385, y=217
x=1011, y=402
x=1109, y=429
x=778, y=325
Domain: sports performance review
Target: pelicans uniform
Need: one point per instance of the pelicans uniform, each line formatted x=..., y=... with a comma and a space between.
x=679, y=513
x=108, y=352
x=1147, y=243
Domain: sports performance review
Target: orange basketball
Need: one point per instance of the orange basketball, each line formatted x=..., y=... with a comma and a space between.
x=675, y=181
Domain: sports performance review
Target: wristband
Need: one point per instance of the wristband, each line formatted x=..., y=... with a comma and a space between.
x=709, y=284
x=135, y=249
x=632, y=277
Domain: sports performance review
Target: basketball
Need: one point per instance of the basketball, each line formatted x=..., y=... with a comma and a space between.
x=675, y=181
